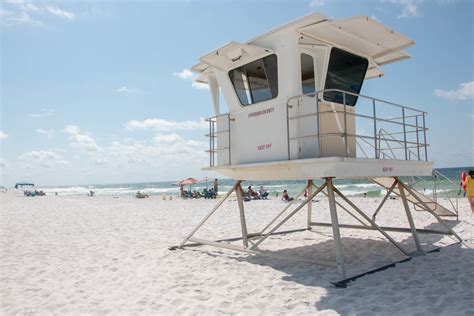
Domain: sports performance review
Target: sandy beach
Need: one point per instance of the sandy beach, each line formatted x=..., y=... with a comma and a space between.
x=104, y=255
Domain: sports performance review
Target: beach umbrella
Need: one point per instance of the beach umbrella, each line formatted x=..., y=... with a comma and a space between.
x=188, y=181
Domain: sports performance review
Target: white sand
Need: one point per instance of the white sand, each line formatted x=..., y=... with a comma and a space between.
x=104, y=255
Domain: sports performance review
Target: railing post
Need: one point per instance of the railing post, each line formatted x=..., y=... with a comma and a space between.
x=288, y=129
x=424, y=137
x=345, y=124
x=404, y=134
x=228, y=124
x=375, y=130
x=318, y=119
x=210, y=144
x=417, y=138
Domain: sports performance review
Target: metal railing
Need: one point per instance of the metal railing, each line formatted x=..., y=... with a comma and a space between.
x=408, y=128
x=438, y=189
x=399, y=133
x=213, y=135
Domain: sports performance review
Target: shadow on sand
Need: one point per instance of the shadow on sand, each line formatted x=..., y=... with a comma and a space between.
x=424, y=281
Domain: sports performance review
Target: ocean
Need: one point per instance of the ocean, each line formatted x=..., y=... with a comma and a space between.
x=447, y=185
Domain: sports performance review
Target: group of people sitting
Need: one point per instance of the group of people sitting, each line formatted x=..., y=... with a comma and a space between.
x=140, y=195
x=34, y=193
x=251, y=194
x=207, y=194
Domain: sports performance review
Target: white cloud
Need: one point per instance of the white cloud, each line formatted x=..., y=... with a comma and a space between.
x=127, y=90
x=9, y=18
x=46, y=158
x=409, y=7
x=43, y=113
x=166, y=150
x=3, y=135
x=161, y=125
x=81, y=141
x=60, y=12
x=167, y=138
x=463, y=93
x=185, y=74
x=16, y=12
x=49, y=132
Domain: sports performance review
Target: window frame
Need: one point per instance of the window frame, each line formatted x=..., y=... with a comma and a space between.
x=305, y=52
x=250, y=86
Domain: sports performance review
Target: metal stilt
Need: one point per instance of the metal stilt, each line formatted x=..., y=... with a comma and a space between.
x=243, y=223
x=335, y=229
x=440, y=220
x=410, y=218
x=309, y=187
x=209, y=214
x=308, y=199
x=384, y=200
x=377, y=227
x=283, y=211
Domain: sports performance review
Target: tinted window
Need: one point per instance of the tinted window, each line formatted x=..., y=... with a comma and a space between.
x=307, y=74
x=345, y=72
x=256, y=81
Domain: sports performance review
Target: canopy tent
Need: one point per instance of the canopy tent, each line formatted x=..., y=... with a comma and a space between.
x=23, y=184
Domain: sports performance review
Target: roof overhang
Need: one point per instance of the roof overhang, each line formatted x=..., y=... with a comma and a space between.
x=362, y=36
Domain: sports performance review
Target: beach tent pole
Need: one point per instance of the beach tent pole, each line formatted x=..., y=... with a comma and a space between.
x=410, y=219
x=371, y=222
x=384, y=199
x=310, y=204
x=335, y=229
x=243, y=223
x=308, y=199
x=209, y=214
x=428, y=209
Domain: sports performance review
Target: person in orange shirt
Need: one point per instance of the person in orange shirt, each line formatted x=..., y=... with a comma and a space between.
x=470, y=189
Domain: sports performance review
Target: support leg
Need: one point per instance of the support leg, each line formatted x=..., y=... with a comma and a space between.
x=410, y=219
x=374, y=225
x=428, y=209
x=309, y=198
x=310, y=204
x=208, y=215
x=283, y=211
x=384, y=199
x=335, y=229
x=243, y=223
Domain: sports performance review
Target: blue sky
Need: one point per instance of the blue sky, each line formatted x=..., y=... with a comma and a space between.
x=99, y=92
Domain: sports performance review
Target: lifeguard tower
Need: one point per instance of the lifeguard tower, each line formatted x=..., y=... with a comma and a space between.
x=296, y=113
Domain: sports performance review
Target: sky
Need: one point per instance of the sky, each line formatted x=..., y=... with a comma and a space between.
x=101, y=91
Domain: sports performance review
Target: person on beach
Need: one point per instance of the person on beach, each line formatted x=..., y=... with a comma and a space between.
x=462, y=185
x=286, y=197
x=216, y=186
x=263, y=192
x=470, y=189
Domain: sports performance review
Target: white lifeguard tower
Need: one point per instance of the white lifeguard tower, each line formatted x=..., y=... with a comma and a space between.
x=296, y=113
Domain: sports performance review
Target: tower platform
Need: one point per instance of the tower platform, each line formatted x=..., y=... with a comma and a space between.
x=333, y=167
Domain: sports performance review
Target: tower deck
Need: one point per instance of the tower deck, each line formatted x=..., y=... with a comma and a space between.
x=337, y=167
